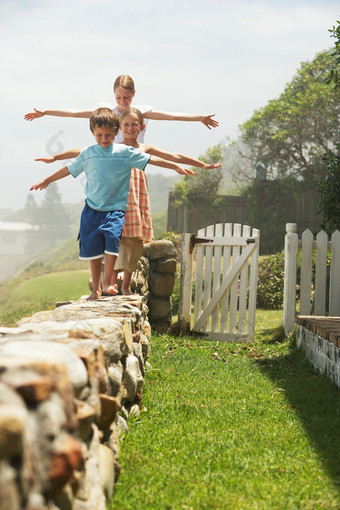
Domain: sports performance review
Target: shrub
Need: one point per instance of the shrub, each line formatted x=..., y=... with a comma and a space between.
x=270, y=281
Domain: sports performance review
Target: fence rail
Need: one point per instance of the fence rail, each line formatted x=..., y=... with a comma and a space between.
x=319, y=296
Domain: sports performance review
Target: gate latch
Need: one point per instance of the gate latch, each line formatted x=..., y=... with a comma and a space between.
x=198, y=240
x=250, y=241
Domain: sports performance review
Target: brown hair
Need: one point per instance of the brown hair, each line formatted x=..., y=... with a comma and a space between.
x=132, y=111
x=104, y=117
x=125, y=81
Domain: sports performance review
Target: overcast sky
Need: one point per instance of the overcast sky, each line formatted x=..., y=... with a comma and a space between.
x=225, y=57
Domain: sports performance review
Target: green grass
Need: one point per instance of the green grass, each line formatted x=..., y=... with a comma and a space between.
x=232, y=426
x=22, y=297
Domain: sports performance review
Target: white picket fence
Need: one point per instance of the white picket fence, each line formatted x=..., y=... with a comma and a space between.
x=322, y=299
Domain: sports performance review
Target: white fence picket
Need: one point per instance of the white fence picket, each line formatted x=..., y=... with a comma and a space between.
x=225, y=269
x=217, y=275
x=234, y=285
x=199, y=277
x=253, y=284
x=306, y=272
x=320, y=273
x=334, y=291
x=242, y=312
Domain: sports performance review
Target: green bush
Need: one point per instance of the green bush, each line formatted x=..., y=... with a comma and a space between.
x=270, y=282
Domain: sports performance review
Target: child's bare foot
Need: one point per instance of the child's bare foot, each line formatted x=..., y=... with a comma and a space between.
x=127, y=292
x=111, y=290
x=96, y=294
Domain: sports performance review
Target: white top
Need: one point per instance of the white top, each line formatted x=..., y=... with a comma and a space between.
x=143, y=108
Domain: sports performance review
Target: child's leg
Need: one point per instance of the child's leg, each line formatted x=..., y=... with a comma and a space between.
x=96, y=269
x=108, y=288
x=126, y=291
x=130, y=251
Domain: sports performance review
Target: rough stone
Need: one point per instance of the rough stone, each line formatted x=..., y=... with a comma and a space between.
x=12, y=426
x=106, y=468
x=132, y=377
x=66, y=457
x=9, y=494
x=115, y=374
x=159, y=309
x=109, y=409
x=52, y=352
x=165, y=266
x=159, y=249
x=162, y=284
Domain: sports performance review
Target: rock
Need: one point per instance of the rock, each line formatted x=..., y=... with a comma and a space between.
x=66, y=457
x=159, y=249
x=160, y=309
x=51, y=352
x=106, y=469
x=9, y=494
x=109, y=409
x=162, y=284
x=165, y=266
x=115, y=373
x=133, y=378
x=12, y=426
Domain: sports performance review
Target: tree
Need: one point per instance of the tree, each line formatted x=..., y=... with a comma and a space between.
x=31, y=213
x=54, y=221
x=290, y=134
x=329, y=186
x=334, y=74
x=205, y=184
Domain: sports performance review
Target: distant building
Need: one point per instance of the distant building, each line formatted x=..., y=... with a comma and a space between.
x=14, y=237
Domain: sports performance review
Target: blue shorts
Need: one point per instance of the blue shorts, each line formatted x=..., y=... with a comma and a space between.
x=100, y=232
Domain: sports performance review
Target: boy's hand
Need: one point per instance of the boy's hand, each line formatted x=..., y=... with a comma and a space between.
x=208, y=121
x=214, y=165
x=34, y=115
x=47, y=159
x=184, y=171
x=41, y=185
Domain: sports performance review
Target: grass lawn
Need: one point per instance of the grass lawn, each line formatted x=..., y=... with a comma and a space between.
x=232, y=426
x=26, y=296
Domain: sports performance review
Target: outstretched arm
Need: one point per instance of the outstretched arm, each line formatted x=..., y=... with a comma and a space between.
x=178, y=158
x=207, y=120
x=155, y=160
x=72, y=153
x=82, y=114
x=60, y=174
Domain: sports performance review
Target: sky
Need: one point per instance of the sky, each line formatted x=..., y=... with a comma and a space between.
x=225, y=57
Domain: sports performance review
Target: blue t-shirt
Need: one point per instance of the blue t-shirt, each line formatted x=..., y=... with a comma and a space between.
x=108, y=173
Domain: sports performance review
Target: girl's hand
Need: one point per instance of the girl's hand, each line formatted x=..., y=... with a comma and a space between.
x=184, y=171
x=48, y=159
x=208, y=121
x=214, y=165
x=41, y=185
x=34, y=115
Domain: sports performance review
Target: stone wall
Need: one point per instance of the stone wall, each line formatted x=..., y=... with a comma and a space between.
x=69, y=378
x=319, y=337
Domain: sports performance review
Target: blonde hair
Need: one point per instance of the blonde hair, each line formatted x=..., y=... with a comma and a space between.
x=125, y=81
x=132, y=111
x=104, y=117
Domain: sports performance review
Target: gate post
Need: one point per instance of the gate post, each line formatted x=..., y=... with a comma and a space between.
x=184, y=307
x=289, y=292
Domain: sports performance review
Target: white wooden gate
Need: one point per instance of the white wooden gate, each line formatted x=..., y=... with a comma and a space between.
x=225, y=282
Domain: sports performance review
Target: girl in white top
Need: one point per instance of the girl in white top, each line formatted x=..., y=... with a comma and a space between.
x=124, y=91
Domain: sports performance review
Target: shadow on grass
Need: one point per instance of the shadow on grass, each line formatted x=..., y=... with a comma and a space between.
x=315, y=399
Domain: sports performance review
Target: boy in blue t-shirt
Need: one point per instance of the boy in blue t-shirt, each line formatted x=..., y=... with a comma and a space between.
x=107, y=167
